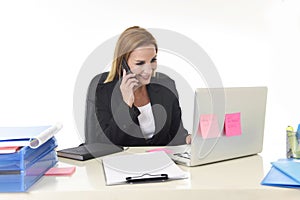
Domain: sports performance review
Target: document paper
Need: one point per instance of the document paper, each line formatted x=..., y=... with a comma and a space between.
x=33, y=136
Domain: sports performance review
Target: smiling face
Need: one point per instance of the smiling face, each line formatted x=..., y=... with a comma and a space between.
x=142, y=62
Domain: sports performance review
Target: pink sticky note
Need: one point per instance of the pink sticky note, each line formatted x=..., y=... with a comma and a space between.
x=168, y=151
x=233, y=124
x=61, y=171
x=208, y=126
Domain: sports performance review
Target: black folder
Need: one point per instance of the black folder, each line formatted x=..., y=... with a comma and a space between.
x=89, y=151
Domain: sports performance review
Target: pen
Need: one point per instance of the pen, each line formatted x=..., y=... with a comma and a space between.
x=298, y=134
x=292, y=145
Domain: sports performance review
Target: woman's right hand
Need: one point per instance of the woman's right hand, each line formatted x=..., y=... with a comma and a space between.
x=127, y=87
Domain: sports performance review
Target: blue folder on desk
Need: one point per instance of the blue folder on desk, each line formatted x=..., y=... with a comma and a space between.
x=284, y=173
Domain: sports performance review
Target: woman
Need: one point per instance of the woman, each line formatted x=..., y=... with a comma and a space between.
x=133, y=106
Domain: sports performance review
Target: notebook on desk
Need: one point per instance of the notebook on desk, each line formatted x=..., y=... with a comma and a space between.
x=228, y=123
x=89, y=151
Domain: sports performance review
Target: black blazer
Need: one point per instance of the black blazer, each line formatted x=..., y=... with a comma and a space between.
x=120, y=124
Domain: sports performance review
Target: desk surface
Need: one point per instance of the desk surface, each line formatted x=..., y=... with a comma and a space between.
x=233, y=179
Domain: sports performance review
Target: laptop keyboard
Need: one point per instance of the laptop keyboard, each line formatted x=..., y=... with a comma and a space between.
x=186, y=155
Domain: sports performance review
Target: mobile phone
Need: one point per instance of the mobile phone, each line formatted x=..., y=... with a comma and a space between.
x=125, y=66
x=127, y=69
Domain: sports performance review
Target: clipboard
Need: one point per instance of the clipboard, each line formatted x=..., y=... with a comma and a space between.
x=141, y=168
x=147, y=178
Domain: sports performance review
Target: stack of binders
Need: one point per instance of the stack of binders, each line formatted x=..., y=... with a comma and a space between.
x=25, y=165
x=20, y=170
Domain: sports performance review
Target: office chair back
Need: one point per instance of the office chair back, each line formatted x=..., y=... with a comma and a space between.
x=93, y=132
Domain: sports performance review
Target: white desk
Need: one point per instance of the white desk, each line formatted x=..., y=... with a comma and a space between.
x=235, y=179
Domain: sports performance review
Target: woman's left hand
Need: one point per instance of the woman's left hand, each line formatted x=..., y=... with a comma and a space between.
x=188, y=139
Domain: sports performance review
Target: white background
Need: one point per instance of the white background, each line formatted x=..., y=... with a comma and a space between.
x=43, y=45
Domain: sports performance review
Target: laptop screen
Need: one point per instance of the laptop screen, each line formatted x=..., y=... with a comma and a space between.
x=228, y=123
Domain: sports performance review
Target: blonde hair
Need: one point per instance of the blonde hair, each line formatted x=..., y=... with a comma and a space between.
x=128, y=41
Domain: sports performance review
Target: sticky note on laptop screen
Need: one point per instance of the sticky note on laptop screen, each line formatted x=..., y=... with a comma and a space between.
x=208, y=126
x=233, y=124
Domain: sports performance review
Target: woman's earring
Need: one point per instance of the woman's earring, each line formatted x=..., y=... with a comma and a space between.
x=154, y=73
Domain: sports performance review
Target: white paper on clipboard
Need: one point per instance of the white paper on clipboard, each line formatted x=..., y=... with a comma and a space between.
x=118, y=168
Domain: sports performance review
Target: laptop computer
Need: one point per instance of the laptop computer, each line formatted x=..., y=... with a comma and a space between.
x=228, y=123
